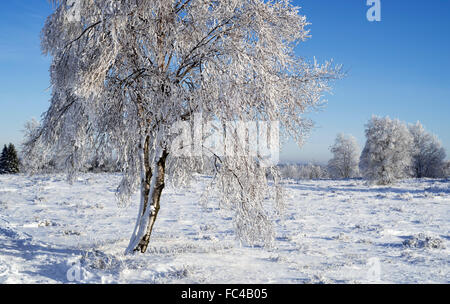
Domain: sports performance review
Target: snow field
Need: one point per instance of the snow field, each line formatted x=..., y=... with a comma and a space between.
x=331, y=232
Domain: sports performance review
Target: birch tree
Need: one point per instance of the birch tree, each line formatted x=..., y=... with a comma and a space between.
x=428, y=155
x=345, y=161
x=124, y=72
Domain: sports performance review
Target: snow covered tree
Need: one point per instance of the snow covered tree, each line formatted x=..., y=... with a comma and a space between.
x=307, y=172
x=13, y=159
x=290, y=171
x=428, y=155
x=3, y=157
x=9, y=161
x=125, y=72
x=345, y=161
x=447, y=169
x=313, y=171
x=386, y=156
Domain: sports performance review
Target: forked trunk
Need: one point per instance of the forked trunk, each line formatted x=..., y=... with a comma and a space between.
x=153, y=197
x=152, y=185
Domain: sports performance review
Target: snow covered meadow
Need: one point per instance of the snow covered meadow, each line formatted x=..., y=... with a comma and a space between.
x=332, y=232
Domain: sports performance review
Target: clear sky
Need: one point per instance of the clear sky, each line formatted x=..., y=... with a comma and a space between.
x=397, y=67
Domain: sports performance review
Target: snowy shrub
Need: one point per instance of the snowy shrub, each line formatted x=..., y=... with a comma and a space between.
x=428, y=155
x=405, y=196
x=386, y=156
x=103, y=164
x=422, y=240
x=345, y=161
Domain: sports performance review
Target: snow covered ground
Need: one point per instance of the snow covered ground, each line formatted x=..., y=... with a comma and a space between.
x=332, y=232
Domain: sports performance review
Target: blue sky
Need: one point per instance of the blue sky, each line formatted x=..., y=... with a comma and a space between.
x=397, y=67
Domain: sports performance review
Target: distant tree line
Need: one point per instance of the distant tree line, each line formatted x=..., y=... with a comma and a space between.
x=303, y=171
x=393, y=150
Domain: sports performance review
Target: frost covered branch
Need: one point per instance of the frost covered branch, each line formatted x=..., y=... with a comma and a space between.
x=127, y=71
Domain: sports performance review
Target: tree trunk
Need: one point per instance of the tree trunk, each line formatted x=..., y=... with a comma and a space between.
x=157, y=188
x=152, y=185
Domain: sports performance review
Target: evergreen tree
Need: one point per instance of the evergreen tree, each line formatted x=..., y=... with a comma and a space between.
x=13, y=159
x=3, y=160
x=9, y=161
